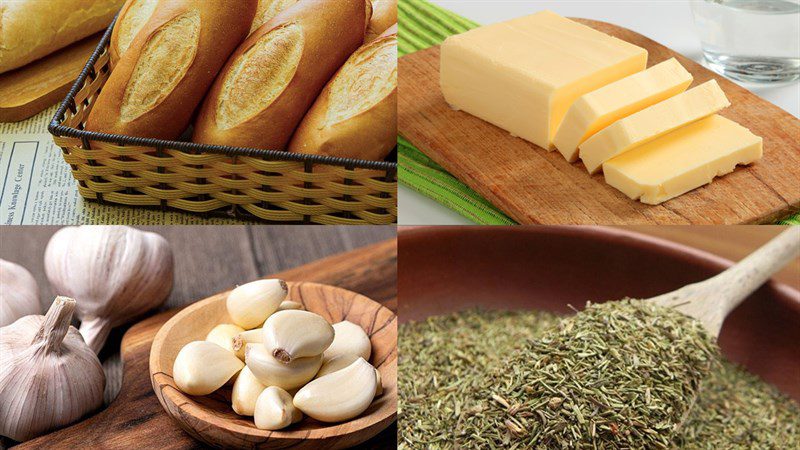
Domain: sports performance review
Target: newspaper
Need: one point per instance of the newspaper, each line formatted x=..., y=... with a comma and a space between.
x=37, y=187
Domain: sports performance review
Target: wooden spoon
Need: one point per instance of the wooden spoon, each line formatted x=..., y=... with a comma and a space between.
x=710, y=301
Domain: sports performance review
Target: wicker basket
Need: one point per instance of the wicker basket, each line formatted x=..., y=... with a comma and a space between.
x=216, y=180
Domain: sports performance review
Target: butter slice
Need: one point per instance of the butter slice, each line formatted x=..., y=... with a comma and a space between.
x=522, y=75
x=652, y=122
x=683, y=160
x=599, y=109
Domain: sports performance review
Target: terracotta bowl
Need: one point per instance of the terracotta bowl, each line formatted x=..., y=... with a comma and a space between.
x=447, y=269
x=211, y=419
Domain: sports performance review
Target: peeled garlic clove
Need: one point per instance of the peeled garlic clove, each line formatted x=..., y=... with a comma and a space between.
x=117, y=273
x=202, y=367
x=240, y=341
x=49, y=377
x=223, y=335
x=245, y=392
x=295, y=334
x=350, y=339
x=274, y=410
x=379, y=386
x=19, y=294
x=337, y=363
x=272, y=372
x=250, y=304
x=339, y=396
x=288, y=304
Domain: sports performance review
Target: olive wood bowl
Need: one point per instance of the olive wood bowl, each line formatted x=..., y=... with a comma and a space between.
x=447, y=269
x=211, y=419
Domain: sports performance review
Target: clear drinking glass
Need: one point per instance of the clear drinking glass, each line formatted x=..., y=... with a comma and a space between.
x=756, y=41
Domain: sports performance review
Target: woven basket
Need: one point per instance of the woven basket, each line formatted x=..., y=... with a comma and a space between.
x=216, y=180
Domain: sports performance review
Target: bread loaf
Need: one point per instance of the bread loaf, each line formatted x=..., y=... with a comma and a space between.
x=356, y=114
x=169, y=66
x=274, y=77
x=267, y=9
x=132, y=18
x=384, y=15
x=32, y=29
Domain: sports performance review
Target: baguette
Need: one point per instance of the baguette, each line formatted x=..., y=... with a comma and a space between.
x=384, y=15
x=132, y=18
x=169, y=66
x=274, y=77
x=356, y=114
x=267, y=9
x=32, y=29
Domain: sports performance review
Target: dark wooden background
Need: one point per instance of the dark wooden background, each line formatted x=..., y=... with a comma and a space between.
x=209, y=259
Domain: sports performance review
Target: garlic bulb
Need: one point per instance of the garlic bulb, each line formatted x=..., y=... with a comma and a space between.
x=295, y=334
x=240, y=341
x=116, y=273
x=250, y=304
x=19, y=294
x=49, y=377
x=202, y=367
x=288, y=304
x=245, y=392
x=272, y=372
x=274, y=410
x=223, y=335
x=350, y=339
x=339, y=396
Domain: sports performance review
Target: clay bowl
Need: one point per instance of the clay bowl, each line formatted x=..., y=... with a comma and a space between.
x=211, y=419
x=446, y=269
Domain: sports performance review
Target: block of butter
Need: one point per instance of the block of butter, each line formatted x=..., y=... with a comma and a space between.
x=682, y=160
x=522, y=75
x=599, y=109
x=650, y=123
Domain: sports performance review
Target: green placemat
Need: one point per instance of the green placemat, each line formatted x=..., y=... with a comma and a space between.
x=424, y=25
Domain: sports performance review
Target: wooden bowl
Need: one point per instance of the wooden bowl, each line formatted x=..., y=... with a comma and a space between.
x=211, y=419
x=446, y=269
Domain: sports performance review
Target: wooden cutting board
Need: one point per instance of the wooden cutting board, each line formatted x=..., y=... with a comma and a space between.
x=135, y=419
x=534, y=186
x=35, y=87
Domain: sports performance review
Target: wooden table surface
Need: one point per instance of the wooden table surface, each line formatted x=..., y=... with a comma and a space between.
x=209, y=260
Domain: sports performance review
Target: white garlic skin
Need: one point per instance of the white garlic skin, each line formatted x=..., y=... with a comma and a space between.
x=336, y=363
x=272, y=372
x=240, y=341
x=293, y=334
x=19, y=294
x=250, y=304
x=275, y=410
x=48, y=379
x=117, y=273
x=223, y=335
x=288, y=304
x=202, y=367
x=339, y=396
x=350, y=339
x=245, y=392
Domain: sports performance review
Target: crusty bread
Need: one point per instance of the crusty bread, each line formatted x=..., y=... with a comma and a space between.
x=267, y=9
x=384, y=15
x=274, y=77
x=169, y=66
x=32, y=29
x=356, y=114
x=132, y=18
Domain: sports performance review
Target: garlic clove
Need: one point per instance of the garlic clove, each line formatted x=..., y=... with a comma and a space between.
x=240, y=341
x=295, y=334
x=250, y=304
x=272, y=372
x=337, y=363
x=245, y=392
x=379, y=386
x=339, y=396
x=350, y=339
x=274, y=410
x=49, y=377
x=19, y=294
x=223, y=335
x=288, y=304
x=202, y=367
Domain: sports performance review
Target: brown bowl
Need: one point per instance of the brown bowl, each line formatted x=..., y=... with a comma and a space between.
x=445, y=269
x=211, y=419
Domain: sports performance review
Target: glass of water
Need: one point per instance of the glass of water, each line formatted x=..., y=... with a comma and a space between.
x=755, y=41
